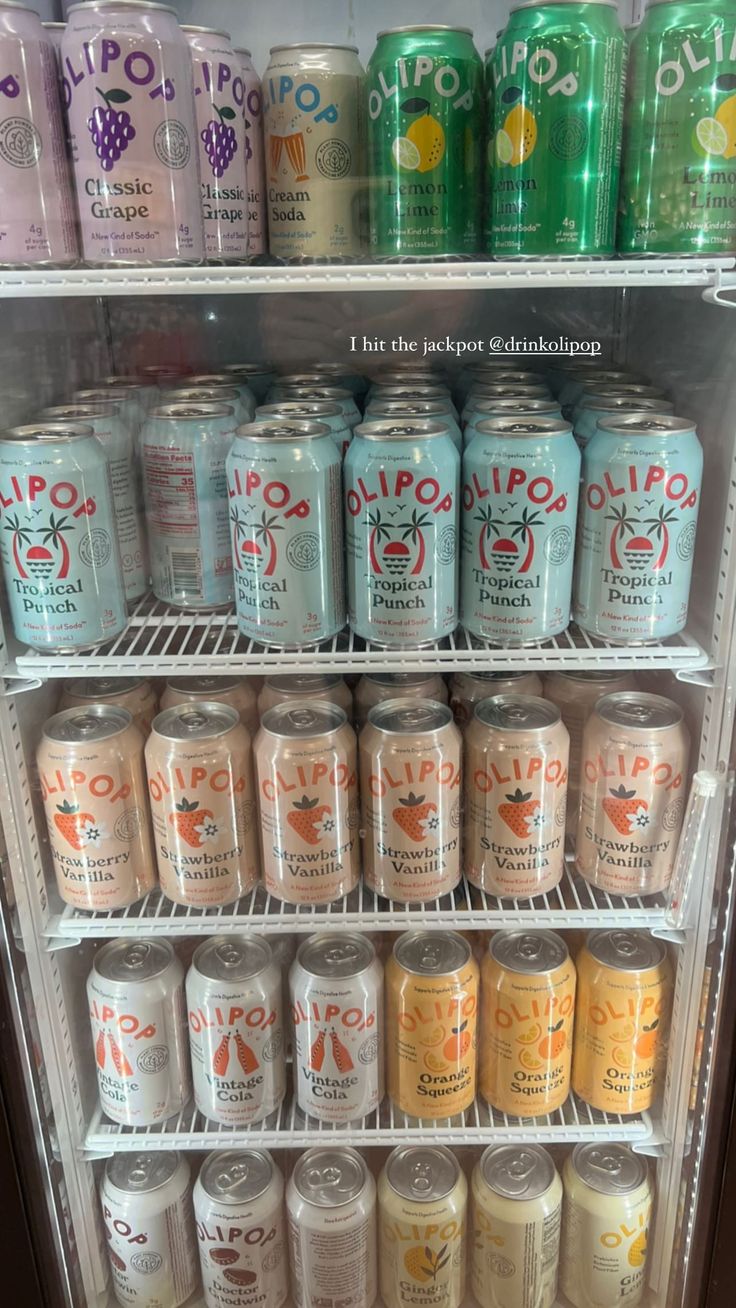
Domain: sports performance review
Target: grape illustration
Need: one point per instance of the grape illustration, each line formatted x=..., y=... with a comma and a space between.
x=111, y=129
x=219, y=140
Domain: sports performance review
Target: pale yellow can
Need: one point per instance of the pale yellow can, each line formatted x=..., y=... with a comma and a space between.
x=422, y=1203
x=515, y=1228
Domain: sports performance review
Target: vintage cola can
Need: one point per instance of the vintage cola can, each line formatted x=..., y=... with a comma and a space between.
x=135, y=993
x=516, y=757
x=305, y=686
x=331, y=1212
x=468, y=688
x=307, y=783
x=336, y=987
x=132, y=693
x=375, y=687
x=146, y=1204
x=283, y=481
x=136, y=166
x=633, y=789
x=236, y=1029
x=219, y=98
x=235, y=691
x=422, y=1227
x=255, y=159
x=401, y=484
x=327, y=411
x=606, y=1214
x=92, y=775
x=239, y=1215
x=517, y=1212
x=411, y=788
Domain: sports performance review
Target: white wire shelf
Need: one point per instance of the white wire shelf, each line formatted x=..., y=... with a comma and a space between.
x=289, y=1128
x=160, y=639
x=573, y=904
x=465, y=275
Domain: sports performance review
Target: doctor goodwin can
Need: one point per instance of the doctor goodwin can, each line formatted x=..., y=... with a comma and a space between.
x=241, y=1229
x=147, y=1210
x=636, y=535
x=401, y=483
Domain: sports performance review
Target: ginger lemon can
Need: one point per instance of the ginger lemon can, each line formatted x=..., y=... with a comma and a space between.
x=422, y=1228
x=425, y=133
x=515, y=1232
x=607, y=1209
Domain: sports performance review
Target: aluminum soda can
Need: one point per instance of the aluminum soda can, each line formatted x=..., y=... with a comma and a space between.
x=516, y=760
x=92, y=774
x=183, y=394
x=116, y=438
x=131, y=397
x=622, y=1016
x=135, y=993
x=239, y=1215
x=307, y=783
x=519, y=506
x=255, y=159
x=422, y=1227
x=38, y=220
x=59, y=550
x=639, y=510
x=200, y=785
x=305, y=686
x=235, y=691
x=431, y=1017
x=136, y=167
x=55, y=31
x=606, y=1215
x=283, y=480
x=591, y=410
x=236, y=1029
x=633, y=789
x=132, y=693
x=511, y=408
x=503, y=387
x=405, y=388
x=527, y=1014
x=146, y=1204
x=401, y=483
x=331, y=1214
x=517, y=1214
x=411, y=788
x=225, y=380
x=468, y=688
x=375, y=687
x=342, y=374
x=313, y=123
x=576, y=382
x=257, y=376
x=327, y=411
x=552, y=176
x=313, y=386
x=184, y=448
x=429, y=410
x=336, y=988
x=219, y=101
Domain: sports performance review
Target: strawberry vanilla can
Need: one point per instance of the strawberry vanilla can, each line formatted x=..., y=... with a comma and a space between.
x=146, y=1203
x=410, y=785
x=132, y=693
x=310, y=686
x=633, y=790
x=336, y=986
x=200, y=785
x=92, y=775
x=516, y=758
x=239, y=1214
x=375, y=687
x=468, y=688
x=135, y=993
x=235, y=691
x=307, y=785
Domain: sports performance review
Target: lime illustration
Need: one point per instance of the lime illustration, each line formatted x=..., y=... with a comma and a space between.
x=504, y=147
x=558, y=545
x=405, y=154
x=726, y=117
x=568, y=136
x=521, y=129
x=711, y=136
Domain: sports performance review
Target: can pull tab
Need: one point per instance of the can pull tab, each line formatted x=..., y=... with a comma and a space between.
x=229, y=954
x=137, y=955
x=346, y=953
x=194, y=720
x=421, y=1178
x=302, y=717
x=529, y=947
x=141, y=1170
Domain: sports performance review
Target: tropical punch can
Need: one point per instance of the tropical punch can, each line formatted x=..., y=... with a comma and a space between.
x=679, y=166
x=639, y=501
x=241, y=1231
x=606, y=1211
x=425, y=133
x=422, y=1228
x=517, y=1213
x=557, y=87
x=401, y=482
x=519, y=496
x=146, y=1206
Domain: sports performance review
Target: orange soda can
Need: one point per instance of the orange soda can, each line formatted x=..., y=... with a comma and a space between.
x=235, y=691
x=132, y=693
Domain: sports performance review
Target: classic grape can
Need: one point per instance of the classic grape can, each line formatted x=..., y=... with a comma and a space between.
x=219, y=98
x=255, y=158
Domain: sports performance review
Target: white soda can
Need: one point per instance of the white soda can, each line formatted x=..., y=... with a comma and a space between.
x=605, y=1226
x=136, y=1004
x=517, y=1209
x=331, y=1211
x=149, y=1224
x=236, y=1034
x=239, y=1213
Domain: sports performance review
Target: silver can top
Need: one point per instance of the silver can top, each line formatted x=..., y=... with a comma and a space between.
x=523, y=427
x=329, y=1177
x=606, y=390
x=637, y=711
x=406, y=408
x=186, y=411
x=301, y=720
x=192, y=29
x=200, y=721
x=495, y=676
x=508, y=404
x=425, y=27
x=236, y=1176
x=431, y=953
x=512, y=390
x=232, y=958
x=207, y=379
x=300, y=409
x=142, y=1173
x=401, y=679
x=209, y=686
x=201, y=395
x=75, y=412
x=422, y=1173
x=332, y=955
x=133, y=960
x=625, y=404
x=406, y=717
x=414, y=429
x=294, y=432
x=82, y=725
x=530, y=953
x=517, y=1171
x=384, y=392
x=601, y=675
x=101, y=687
x=248, y=369
x=609, y=1168
x=52, y=432
x=647, y=423
x=314, y=45
x=517, y=713
x=144, y=5
x=302, y=685
x=317, y=390
x=626, y=951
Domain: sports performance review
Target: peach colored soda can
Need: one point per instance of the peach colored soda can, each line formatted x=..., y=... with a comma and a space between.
x=235, y=691
x=90, y=765
x=285, y=690
x=633, y=790
x=132, y=693
x=375, y=687
x=307, y=784
x=410, y=786
x=200, y=784
x=528, y=1008
x=468, y=688
x=516, y=756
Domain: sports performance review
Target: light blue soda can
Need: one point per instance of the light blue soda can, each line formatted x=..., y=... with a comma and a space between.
x=184, y=447
x=487, y=371
x=401, y=483
x=325, y=411
x=314, y=391
x=639, y=506
x=575, y=385
x=283, y=481
x=511, y=390
x=506, y=408
x=130, y=396
x=210, y=380
x=593, y=409
x=210, y=395
x=58, y=546
x=519, y=504
x=257, y=376
x=337, y=374
x=407, y=390
x=431, y=410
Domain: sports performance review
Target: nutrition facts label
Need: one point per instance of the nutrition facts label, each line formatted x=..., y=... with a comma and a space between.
x=171, y=490
x=334, y=1268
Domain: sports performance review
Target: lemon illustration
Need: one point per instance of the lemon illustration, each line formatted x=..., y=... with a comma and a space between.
x=711, y=135
x=504, y=147
x=638, y=1251
x=521, y=128
x=428, y=136
x=726, y=116
x=405, y=154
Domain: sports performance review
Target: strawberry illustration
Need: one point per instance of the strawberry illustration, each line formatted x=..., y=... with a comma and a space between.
x=317, y=1052
x=246, y=1057
x=221, y=1056
x=100, y=1049
x=341, y=1055
x=121, y=1064
x=414, y=816
x=187, y=818
x=71, y=823
x=625, y=811
x=519, y=812
x=307, y=814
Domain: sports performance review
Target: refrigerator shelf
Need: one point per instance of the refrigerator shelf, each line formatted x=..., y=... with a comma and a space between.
x=161, y=639
x=573, y=904
x=289, y=1128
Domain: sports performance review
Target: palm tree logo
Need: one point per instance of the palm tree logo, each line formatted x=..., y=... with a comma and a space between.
x=40, y=559
x=379, y=531
x=624, y=525
x=523, y=532
x=505, y=554
x=259, y=546
x=660, y=524
x=412, y=530
x=21, y=537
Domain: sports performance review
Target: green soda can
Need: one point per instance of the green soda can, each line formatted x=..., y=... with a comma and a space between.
x=678, y=186
x=558, y=87
x=425, y=137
